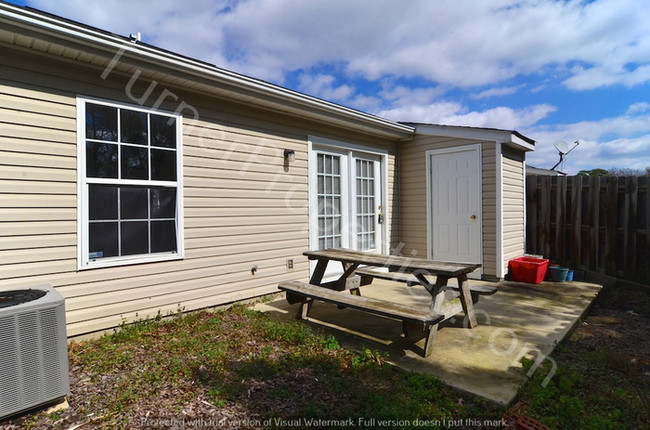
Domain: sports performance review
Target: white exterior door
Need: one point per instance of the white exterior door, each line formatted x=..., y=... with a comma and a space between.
x=346, y=207
x=454, y=194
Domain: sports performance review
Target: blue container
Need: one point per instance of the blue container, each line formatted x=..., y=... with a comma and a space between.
x=569, y=275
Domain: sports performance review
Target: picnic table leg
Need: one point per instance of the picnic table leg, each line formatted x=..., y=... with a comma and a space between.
x=437, y=292
x=316, y=279
x=348, y=270
x=430, y=332
x=466, y=301
x=303, y=310
x=319, y=271
x=431, y=337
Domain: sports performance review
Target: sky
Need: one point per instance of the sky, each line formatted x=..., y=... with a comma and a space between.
x=551, y=70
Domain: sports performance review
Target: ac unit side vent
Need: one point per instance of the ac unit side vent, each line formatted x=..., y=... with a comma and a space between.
x=34, y=354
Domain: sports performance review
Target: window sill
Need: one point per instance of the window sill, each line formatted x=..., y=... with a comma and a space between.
x=128, y=261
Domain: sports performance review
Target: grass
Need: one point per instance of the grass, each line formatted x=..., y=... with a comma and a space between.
x=243, y=366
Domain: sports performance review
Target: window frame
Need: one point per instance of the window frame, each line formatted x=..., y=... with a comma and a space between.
x=83, y=196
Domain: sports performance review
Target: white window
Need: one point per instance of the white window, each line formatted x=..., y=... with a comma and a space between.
x=130, y=191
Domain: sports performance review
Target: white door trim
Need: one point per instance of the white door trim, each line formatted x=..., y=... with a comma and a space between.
x=477, y=149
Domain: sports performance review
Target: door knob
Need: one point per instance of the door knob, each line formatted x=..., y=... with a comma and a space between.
x=473, y=217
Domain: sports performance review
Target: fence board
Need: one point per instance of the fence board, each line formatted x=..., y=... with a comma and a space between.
x=594, y=227
x=601, y=224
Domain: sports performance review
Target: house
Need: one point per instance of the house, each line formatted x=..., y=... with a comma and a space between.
x=136, y=181
x=464, y=187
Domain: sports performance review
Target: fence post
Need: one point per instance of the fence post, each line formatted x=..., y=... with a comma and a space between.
x=560, y=218
x=545, y=215
x=593, y=213
x=576, y=221
x=629, y=228
x=532, y=208
x=645, y=251
x=611, y=229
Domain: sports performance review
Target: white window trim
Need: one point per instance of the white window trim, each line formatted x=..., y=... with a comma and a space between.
x=83, y=261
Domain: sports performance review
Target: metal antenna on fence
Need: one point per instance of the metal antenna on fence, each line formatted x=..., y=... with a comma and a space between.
x=563, y=150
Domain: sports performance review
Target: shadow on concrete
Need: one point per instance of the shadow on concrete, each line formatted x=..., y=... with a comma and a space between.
x=519, y=320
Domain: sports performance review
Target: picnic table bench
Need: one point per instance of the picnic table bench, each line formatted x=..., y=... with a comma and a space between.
x=410, y=279
x=419, y=270
x=410, y=315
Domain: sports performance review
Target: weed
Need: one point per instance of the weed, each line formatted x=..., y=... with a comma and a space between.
x=240, y=359
x=331, y=343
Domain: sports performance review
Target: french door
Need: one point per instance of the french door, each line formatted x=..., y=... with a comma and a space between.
x=346, y=209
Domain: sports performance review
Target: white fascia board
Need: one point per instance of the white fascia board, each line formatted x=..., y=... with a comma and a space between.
x=53, y=27
x=519, y=143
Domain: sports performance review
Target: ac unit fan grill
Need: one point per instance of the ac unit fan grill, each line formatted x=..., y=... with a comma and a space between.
x=18, y=297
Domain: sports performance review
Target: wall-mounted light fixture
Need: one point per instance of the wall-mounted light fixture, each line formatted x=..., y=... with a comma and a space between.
x=290, y=155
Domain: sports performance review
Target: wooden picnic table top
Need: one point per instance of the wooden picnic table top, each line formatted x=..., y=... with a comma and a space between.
x=394, y=263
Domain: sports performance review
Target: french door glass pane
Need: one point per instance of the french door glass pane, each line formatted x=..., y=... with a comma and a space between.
x=365, y=210
x=329, y=201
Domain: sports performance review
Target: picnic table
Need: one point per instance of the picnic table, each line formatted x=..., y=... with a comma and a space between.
x=359, y=268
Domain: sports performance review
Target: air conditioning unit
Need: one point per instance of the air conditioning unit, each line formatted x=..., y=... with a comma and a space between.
x=33, y=349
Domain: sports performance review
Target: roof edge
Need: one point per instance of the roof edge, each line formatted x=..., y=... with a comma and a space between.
x=512, y=137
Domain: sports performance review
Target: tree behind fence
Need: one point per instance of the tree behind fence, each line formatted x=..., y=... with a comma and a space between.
x=601, y=224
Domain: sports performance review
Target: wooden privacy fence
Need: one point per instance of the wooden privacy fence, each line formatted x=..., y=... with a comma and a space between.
x=600, y=224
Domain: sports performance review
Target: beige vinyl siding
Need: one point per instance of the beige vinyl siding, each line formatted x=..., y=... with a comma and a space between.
x=490, y=210
x=413, y=195
x=513, y=205
x=243, y=206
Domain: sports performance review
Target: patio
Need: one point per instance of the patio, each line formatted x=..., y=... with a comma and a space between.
x=519, y=320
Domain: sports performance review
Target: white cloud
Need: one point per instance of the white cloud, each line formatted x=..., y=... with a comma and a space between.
x=619, y=142
x=638, y=108
x=433, y=113
x=324, y=86
x=461, y=43
x=453, y=113
x=496, y=92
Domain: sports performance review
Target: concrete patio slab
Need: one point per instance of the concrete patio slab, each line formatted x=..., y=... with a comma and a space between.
x=519, y=320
